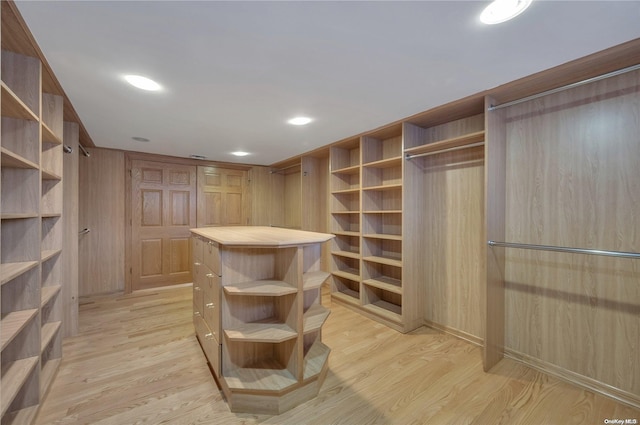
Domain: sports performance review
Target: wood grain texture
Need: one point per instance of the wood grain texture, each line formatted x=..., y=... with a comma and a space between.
x=101, y=209
x=70, y=224
x=260, y=189
x=573, y=180
x=495, y=150
x=136, y=359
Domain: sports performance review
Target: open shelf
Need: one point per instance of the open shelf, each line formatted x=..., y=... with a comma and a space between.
x=47, y=293
x=12, y=323
x=268, y=376
x=314, y=318
x=13, y=160
x=12, y=270
x=345, y=233
x=13, y=106
x=393, y=186
x=313, y=280
x=48, y=135
x=17, y=216
x=47, y=333
x=315, y=359
x=385, y=309
x=49, y=175
x=47, y=374
x=47, y=254
x=266, y=288
x=386, y=283
x=353, y=169
x=269, y=330
x=454, y=142
x=384, y=260
x=383, y=236
x=14, y=375
x=385, y=163
x=347, y=254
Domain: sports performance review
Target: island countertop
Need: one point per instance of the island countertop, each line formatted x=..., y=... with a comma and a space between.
x=260, y=236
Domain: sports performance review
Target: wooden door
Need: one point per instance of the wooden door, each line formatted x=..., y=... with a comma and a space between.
x=163, y=210
x=222, y=197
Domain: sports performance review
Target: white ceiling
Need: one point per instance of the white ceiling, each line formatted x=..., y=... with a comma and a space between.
x=234, y=72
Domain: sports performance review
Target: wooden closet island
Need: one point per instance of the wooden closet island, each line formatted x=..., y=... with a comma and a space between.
x=258, y=313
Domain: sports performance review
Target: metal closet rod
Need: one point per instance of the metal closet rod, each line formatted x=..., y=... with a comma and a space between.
x=284, y=168
x=455, y=148
x=568, y=86
x=565, y=249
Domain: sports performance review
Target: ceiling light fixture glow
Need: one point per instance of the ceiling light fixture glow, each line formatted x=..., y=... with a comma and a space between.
x=142, y=83
x=299, y=121
x=240, y=153
x=502, y=10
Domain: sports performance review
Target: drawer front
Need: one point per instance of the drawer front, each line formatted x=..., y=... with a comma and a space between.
x=209, y=344
x=212, y=256
x=197, y=248
x=211, y=315
x=198, y=298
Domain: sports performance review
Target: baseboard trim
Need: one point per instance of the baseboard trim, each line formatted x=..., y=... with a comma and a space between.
x=475, y=340
x=574, y=378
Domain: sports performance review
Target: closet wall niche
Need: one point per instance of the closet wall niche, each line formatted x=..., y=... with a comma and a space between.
x=571, y=179
x=444, y=207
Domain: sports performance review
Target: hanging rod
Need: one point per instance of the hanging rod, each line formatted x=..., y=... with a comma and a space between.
x=568, y=86
x=84, y=151
x=284, y=168
x=455, y=148
x=565, y=249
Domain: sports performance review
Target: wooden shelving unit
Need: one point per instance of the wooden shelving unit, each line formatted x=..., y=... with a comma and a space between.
x=264, y=339
x=31, y=232
x=345, y=208
x=367, y=219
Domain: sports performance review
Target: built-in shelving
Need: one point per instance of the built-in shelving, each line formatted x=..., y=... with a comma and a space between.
x=31, y=232
x=269, y=356
x=367, y=270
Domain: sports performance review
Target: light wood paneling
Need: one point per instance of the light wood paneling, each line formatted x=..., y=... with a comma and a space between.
x=453, y=188
x=573, y=180
x=101, y=200
x=260, y=192
x=495, y=181
x=429, y=377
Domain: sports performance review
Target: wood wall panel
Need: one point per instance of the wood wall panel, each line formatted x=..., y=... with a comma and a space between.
x=260, y=194
x=453, y=188
x=102, y=198
x=292, y=200
x=70, y=266
x=573, y=180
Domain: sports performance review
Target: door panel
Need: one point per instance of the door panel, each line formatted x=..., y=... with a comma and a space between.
x=164, y=210
x=223, y=198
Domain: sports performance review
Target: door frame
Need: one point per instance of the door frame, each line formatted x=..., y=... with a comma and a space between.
x=129, y=157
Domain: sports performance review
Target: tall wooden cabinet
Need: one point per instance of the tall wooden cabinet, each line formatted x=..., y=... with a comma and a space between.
x=258, y=315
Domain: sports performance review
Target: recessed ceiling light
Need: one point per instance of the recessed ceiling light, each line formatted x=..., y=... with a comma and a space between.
x=140, y=139
x=503, y=10
x=142, y=83
x=299, y=120
x=240, y=153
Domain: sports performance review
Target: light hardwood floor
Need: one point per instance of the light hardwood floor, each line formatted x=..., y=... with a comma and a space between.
x=136, y=361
